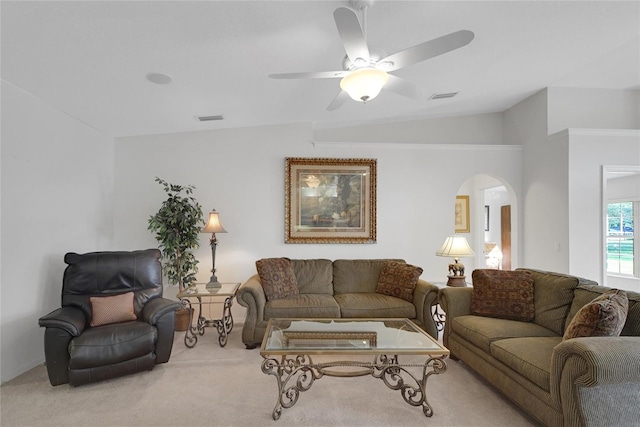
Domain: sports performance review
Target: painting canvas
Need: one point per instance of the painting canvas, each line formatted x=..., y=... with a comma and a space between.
x=330, y=200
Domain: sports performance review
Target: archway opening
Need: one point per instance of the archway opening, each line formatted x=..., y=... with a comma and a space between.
x=493, y=226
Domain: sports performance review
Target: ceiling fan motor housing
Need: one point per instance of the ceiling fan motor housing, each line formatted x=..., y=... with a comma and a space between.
x=375, y=55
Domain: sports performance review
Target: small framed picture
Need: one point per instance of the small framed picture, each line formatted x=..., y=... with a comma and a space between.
x=486, y=217
x=462, y=214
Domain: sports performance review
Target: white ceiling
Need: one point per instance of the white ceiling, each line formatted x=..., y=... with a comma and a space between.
x=89, y=58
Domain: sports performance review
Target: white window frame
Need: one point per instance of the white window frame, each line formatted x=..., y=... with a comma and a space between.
x=636, y=241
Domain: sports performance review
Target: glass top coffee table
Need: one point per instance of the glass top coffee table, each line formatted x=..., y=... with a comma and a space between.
x=289, y=344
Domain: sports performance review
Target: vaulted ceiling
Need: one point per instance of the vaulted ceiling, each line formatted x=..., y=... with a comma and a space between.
x=90, y=58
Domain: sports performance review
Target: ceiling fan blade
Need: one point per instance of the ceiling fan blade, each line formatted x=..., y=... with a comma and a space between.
x=351, y=34
x=426, y=50
x=338, y=101
x=311, y=75
x=402, y=87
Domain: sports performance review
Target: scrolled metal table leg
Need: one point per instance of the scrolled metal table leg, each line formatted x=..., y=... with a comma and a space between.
x=395, y=377
x=225, y=325
x=294, y=375
x=190, y=338
x=202, y=321
x=439, y=317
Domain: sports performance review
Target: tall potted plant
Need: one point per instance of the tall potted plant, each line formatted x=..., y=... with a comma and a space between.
x=177, y=225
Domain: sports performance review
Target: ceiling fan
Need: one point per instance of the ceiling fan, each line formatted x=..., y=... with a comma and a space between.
x=365, y=71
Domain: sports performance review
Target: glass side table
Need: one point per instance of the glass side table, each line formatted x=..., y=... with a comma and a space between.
x=213, y=296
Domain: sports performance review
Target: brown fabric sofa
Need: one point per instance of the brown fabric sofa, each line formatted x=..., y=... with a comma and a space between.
x=333, y=289
x=591, y=381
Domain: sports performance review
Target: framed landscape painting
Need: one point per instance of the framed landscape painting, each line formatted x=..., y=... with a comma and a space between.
x=330, y=200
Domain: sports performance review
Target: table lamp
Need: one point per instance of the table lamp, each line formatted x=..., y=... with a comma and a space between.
x=456, y=247
x=213, y=226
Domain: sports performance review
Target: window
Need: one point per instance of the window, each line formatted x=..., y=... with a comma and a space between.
x=622, y=252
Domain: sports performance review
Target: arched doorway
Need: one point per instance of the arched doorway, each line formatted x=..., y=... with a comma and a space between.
x=493, y=213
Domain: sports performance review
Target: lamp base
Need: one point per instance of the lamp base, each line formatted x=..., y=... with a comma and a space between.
x=457, y=281
x=213, y=285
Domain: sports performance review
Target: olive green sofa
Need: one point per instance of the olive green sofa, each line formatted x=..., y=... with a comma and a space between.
x=333, y=289
x=591, y=381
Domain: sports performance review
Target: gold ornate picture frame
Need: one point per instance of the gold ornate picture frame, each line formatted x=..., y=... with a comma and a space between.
x=330, y=200
x=462, y=214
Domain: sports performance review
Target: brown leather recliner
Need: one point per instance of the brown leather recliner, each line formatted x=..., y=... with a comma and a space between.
x=77, y=353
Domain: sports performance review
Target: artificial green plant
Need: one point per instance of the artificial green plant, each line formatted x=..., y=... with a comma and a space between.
x=177, y=225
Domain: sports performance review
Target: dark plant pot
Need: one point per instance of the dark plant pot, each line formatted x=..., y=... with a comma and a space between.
x=182, y=319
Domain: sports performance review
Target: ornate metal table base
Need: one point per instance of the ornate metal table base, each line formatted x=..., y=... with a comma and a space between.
x=439, y=317
x=297, y=374
x=224, y=325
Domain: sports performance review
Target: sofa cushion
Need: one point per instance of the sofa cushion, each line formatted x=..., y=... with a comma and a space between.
x=357, y=275
x=503, y=294
x=586, y=293
x=277, y=277
x=302, y=305
x=482, y=331
x=603, y=317
x=113, y=309
x=398, y=279
x=528, y=356
x=553, y=293
x=111, y=344
x=314, y=276
x=359, y=304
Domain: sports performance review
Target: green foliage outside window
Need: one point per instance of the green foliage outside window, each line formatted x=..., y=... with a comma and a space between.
x=620, y=238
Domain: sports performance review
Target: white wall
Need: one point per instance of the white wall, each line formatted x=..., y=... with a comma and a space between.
x=592, y=109
x=57, y=177
x=472, y=129
x=544, y=235
x=589, y=151
x=240, y=173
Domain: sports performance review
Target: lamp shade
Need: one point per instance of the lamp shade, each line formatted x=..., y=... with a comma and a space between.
x=213, y=225
x=455, y=246
x=364, y=84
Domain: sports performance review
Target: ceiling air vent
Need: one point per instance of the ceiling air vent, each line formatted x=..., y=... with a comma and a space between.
x=210, y=118
x=443, y=95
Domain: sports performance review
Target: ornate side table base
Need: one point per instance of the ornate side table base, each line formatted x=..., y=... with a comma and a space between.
x=223, y=325
x=297, y=374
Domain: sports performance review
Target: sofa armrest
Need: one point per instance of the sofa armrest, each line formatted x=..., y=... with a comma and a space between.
x=454, y=302
x=425, y=296
x=596, y=380
x=70, y=319
x=251, y=295
x=156, y=308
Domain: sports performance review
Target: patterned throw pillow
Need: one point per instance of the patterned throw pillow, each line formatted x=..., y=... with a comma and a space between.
x=503, y=294
x=114, y=309
x=605, y=316
x=398, y=279
x=277, y=277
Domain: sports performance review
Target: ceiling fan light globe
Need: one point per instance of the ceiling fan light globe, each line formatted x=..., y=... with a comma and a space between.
x=364, y=84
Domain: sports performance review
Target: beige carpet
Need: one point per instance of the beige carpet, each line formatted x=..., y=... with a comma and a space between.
x=213, y=386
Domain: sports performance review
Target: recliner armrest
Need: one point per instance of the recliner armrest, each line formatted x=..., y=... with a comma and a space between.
x=156, y=308
x=70, y=319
